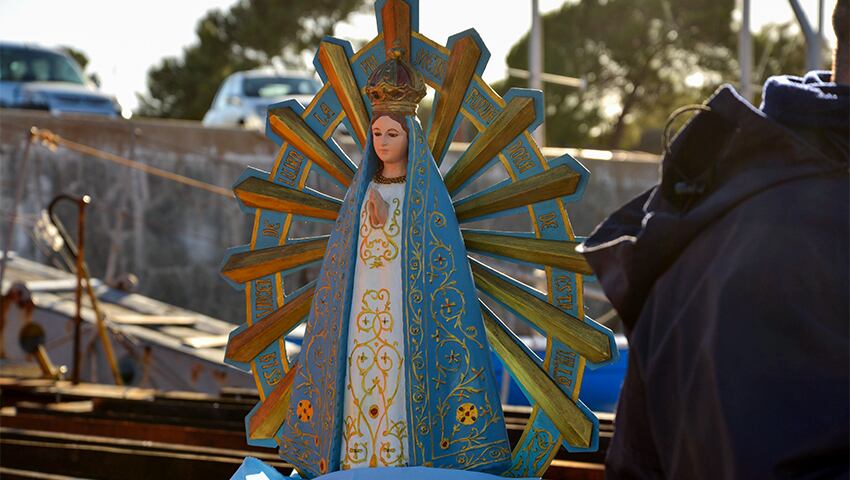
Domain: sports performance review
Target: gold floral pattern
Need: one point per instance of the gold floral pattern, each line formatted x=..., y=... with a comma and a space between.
x=374, y=417
x=445, y=344
x=309, y=443
x=304, y=410
x=466, y=414
x=380, y=245
x=375, y=430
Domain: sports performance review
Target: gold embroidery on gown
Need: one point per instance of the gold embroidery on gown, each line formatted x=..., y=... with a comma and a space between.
x=374, y=415
x=380, y=245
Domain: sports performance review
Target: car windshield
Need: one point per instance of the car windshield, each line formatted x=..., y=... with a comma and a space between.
x=30, y=65
x=270, y=87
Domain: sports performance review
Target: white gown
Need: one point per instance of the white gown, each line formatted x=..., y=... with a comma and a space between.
x=374, y=411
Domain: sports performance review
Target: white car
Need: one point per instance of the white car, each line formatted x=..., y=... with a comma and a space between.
x=243, y=97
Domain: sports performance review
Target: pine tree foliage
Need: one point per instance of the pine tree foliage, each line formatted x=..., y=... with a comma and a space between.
x=251, y=34
x=641, y=59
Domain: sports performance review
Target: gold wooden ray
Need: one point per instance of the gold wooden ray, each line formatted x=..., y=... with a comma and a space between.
x=270, y=416
x=248, y=343
x=554, y=253
x=258, y=193
x=338, y=70
x=395, y=17
x=463, y=59
x=246, y=266
x=516, y=117
x=581, y=337
x=567, y=417
x=295, y=131
x=552, y=183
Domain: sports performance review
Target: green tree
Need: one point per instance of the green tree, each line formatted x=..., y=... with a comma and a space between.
x=641, y=59
x=83, y=61
x=633, y=55
x=779, y=49
x=81, y=58
x=252, y=33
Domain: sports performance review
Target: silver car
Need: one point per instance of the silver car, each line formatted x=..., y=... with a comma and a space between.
x=44, y=79
x=243, y=97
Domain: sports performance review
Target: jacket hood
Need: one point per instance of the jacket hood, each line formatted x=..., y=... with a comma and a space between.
x=812, y=101
x=726, y=153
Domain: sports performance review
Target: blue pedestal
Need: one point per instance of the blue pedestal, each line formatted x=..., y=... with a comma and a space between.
x=253, y=469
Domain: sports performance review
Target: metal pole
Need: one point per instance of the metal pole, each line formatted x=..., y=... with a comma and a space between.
x=820, y=37
x=78, y=319
x=535, y=62
x=551, y=78
x=13, y=216
x=117, y=231
x=813, y=57
x=745, y=52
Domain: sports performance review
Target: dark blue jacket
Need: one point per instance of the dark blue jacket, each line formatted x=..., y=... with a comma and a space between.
x=731, y=277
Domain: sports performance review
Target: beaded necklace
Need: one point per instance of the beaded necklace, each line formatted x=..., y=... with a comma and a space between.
x=387, y=181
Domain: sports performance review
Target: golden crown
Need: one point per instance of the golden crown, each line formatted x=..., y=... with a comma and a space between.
x=395, y=86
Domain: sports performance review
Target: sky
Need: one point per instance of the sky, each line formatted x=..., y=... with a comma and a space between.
x=123, y=39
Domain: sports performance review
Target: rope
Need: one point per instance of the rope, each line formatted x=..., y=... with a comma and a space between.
x=51, y=140
x=142, y=136
x=20, y=218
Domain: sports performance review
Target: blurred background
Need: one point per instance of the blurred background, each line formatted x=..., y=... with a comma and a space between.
x=154, y=109
x=612, y=71
x=633, y=59
x=180, y=89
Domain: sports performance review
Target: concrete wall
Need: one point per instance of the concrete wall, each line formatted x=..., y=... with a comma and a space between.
x=173, y=236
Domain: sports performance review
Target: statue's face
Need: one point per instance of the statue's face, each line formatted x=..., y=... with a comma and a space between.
x=390, y=140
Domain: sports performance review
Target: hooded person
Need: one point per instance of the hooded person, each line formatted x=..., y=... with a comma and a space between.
x=731, y=277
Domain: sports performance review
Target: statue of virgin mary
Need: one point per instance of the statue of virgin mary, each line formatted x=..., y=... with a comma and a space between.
x=395, y=368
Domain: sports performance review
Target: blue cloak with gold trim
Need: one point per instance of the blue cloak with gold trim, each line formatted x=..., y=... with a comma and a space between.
x=447, y=358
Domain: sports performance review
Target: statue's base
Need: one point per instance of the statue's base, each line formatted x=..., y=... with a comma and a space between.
x=253, y=469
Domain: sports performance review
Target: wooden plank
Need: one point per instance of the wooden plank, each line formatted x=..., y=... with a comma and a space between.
x=179, y=332
x=248, y=343
x=463, y=58
x=516, y=117
x=80, y=457
x=57, y=285
x=180, y=412
x=553, y=183
x=153, y=320
x=76, y=407
x=246, y=266
x=258, y=193
x=269, y=417
x=554, y=253
x=85, y=456
x=99, y=390
x=121, y=420
x=573, y=425
x=18, y=474
x=581, y=337
x=206, y=341
x=338, y=71
x=199, y=435
x=295, y=131
x=576, y=470
x=395, y=18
